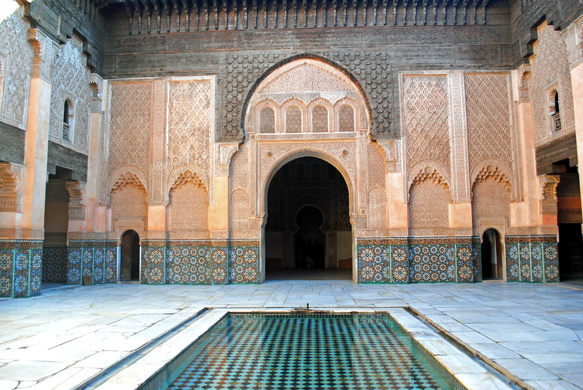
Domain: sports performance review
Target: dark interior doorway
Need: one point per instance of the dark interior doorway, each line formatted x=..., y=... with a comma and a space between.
x=569, y=221
x=310, y=240
x=308, y=233
x=491, y=253
x=56, y=224
x=130, y=256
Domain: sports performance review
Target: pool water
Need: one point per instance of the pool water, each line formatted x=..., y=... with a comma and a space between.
x=309, y=351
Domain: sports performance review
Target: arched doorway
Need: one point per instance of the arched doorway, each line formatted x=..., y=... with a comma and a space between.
x=308, y=233
x=491, y=254
x=130, y=256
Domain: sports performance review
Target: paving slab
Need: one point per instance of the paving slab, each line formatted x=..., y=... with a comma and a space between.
x=534, y=331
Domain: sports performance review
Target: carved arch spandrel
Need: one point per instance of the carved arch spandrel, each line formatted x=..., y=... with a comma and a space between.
x=495, y=170
x=432, y=172
x=124, y=176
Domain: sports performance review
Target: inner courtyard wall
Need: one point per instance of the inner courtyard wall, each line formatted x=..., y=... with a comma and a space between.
x=160, y=118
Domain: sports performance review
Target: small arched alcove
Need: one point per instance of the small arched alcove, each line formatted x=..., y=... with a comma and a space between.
x=308, y=234
x=130, y=256
x=491, y=254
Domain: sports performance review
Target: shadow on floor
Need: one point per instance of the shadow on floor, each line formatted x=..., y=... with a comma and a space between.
x=314, y=274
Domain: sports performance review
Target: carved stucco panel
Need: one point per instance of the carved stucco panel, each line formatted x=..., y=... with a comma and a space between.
x=130, y=124
x=489, y=119
x=550, y=70
x=190, y=124
x=18, y=55
x=71, y=80
x=371, y=69
x=426, y=122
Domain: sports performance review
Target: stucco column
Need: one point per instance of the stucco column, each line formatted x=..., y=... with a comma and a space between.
x=36, y=141
x=530, y=213
x=218, y=216
x=577, y=87
x=157, y=196
x=460, y=210
x=95, y=219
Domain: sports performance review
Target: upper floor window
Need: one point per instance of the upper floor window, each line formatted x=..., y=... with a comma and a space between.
x=267, y=120
x=67, y=121
x=293, y=120
x=320, y=119
x=346, y=118
x=555, y=111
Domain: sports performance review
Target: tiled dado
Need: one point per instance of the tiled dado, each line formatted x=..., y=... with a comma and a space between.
x=417, y=260
x=20, y=268
x=54, y=264
x=200, y=262
x=532, y=259
x=92, y=262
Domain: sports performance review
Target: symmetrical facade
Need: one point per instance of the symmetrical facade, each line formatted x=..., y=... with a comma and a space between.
x=408, y=141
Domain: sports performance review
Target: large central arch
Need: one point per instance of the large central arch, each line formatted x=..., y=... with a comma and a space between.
x=307, y=107
x=307, y=224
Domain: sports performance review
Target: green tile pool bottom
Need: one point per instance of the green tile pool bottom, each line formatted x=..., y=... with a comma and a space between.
x=309, y=351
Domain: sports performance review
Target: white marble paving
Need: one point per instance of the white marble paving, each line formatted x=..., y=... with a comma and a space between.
x=66, y=335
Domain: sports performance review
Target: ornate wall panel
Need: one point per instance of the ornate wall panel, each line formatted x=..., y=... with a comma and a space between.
x=18, y=67
x=428, y=206
x=371, y=69
x=190, y=122
x=71, y=81
x=188, y=208
x=129, y=203
x=490, y=206
x=426, y=110
x=488, y=118
x=550, y=70
x=130, y=124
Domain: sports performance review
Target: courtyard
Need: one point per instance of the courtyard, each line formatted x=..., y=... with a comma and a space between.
x=69, y=334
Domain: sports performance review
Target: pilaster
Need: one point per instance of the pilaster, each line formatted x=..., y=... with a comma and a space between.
x=36, y=138
x=157, y=187
x=460, y=211
x=577, y=88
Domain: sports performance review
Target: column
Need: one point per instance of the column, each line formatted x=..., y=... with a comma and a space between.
x=460, y=210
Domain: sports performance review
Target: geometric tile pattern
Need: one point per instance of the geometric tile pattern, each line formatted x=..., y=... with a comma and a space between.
x=244, y=262
x=153, y=260
x=314, y=351
x=432, y=261
x=200, y=262
x=532, y=259
x=92, y=262
x=54, y=264
x=20, y=268
x=416, y=260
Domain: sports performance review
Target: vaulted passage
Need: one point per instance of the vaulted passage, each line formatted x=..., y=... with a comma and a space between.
x=308, y=232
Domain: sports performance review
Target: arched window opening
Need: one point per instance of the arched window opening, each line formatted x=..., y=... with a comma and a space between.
x=555, y=112
x=320, y=119
x=346, y=118
x=267, y=120
x=67, y=121
x=293, y=120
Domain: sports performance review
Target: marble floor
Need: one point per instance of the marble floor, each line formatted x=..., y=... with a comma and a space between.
x=68, y=334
